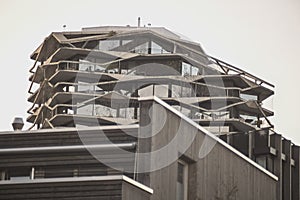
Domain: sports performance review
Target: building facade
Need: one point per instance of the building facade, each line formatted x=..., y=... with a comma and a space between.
x=140, y=113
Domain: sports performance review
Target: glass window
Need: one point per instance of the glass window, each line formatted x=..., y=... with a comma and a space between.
x=107, y=45
x=18, y=174
x=146, y=91
x=143, y=48
x=157, y=49
x=182, y=181
x=248, y=97
x=185, y=69
x=270, y=164
x=59, y=172
x=2, y=175
x=262, y=161
x=19, y=178
x=188, y=69
x=161, y=91
x=125, y=41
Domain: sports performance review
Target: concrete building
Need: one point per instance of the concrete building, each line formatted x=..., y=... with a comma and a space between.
x=141, y=113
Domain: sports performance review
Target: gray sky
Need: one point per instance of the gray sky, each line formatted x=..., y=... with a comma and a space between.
x=261, y=37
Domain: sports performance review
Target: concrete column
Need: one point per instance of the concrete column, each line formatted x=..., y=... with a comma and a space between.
x=287, y=170
x=118, y=112
x=135, y=94
x=229, y=139
x=296, y=173
x=149, y=47
x=144, y=141
x=250, y=145
x=276, y=142
x=169, y=90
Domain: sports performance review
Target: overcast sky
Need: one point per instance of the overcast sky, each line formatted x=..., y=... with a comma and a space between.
x=261, y=37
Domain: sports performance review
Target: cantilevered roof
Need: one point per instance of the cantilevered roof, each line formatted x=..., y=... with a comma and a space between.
x=65, y=53
x=121, y=29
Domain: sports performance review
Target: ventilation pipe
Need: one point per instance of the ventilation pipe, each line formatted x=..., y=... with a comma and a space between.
x=18, y=123
x=139, y=22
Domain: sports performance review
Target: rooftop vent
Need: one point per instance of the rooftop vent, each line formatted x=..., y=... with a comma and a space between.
x=18, y=123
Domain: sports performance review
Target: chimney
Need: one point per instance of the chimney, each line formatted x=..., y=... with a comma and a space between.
x=18, y=123
x=139, y=22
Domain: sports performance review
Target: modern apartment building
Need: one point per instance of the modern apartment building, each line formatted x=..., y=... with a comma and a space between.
x=141, y=113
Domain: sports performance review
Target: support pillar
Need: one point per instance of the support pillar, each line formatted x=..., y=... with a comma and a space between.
x=250, y=145
x=144, y=142
x=276, y=142
x=287, y=170
x=169, y=90
x=296, y=173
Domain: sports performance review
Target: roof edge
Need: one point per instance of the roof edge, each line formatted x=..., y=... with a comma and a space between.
x=57, y=130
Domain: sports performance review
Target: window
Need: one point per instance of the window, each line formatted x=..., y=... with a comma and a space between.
x=188, y=69
x=270, y=164
x=157, y=49
x=143, y=48
x=107, y=45
x=262, y=161
x=20, y=174
x=248, y=97
x=182, y=181
x=2, y=175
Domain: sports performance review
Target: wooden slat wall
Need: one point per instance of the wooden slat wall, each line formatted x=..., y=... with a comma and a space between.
x=62, y=162
x=64, y=138
x=62, y=158
x=221, y=174
x=79, y=190
x=66, y=190
x=131, y=192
